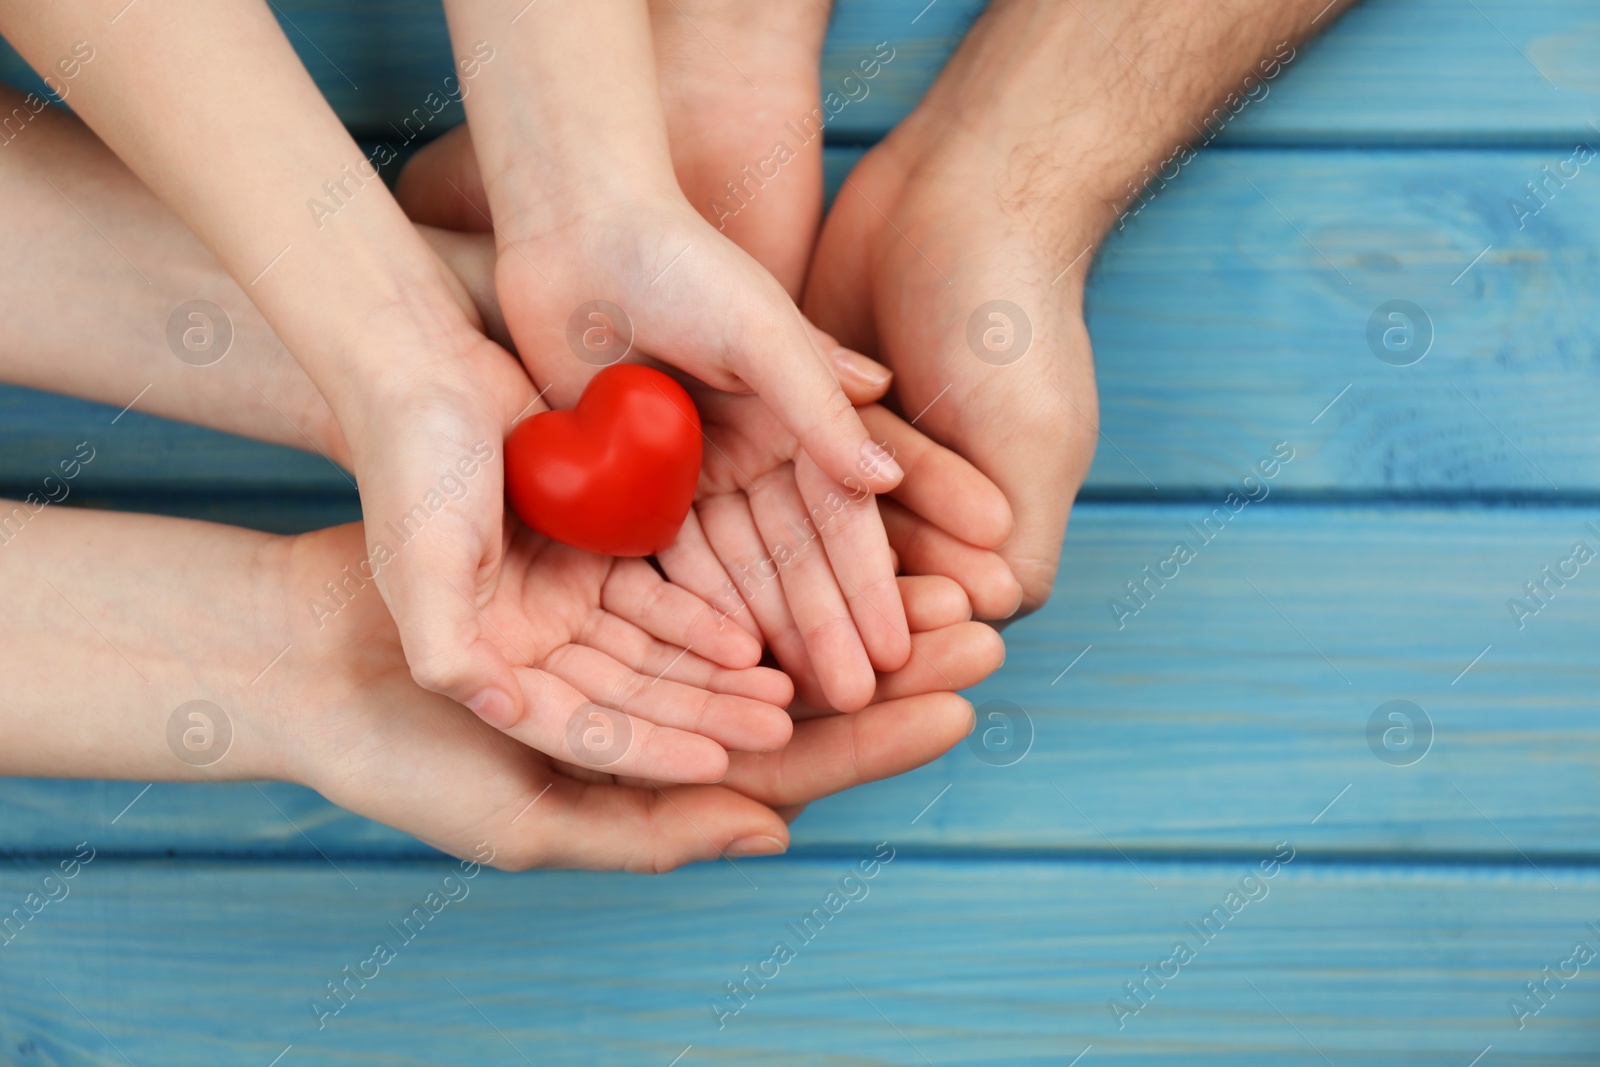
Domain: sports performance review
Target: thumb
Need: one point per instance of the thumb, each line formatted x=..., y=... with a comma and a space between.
x=438, y=555
x=798, y=383
x=441, y=632
x=863, y=380
x=838, y=293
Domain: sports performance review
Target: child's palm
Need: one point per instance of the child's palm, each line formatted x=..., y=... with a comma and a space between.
x=599, y=647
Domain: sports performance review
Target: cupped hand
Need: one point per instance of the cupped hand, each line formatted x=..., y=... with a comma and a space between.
x=599, y=650
x=808, y=568
x=371, y=740
x=935, y=260
x=737, y=81
x=802, y=562
x=589, y=276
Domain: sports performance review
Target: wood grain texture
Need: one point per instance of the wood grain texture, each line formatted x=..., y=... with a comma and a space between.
x=1171, y=749
x=1229, y=711
x=943, y=963
x=1400, y=72
x=1230, y=312
x=1397, y=72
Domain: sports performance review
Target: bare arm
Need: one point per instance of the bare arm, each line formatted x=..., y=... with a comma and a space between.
x=211, y=108
x=111, y=269
x=958, y=249
x=160, y=649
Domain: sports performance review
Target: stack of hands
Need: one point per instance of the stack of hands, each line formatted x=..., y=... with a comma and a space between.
x=880, y=472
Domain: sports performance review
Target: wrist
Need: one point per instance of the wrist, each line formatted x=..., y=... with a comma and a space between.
x=404, y=342
x=162, y=686
x=1076, y=110
x=265, y=656
x=536, y=191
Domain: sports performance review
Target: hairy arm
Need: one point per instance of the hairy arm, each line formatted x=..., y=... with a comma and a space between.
x=1052, y=120
x=1085, y=103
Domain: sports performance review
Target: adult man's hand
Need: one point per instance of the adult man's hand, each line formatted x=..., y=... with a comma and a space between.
x=957, y=250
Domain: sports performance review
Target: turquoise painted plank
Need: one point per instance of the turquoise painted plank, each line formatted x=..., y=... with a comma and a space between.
x=932, y=962
x=1250, y=301
x=1390, y=72
x=1218, y=325
x=1399, y=72
x=1232, y=709
x=133, y=450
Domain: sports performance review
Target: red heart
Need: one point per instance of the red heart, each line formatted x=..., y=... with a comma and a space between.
x=617, y=473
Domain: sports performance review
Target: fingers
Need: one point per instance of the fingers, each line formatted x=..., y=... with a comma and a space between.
x=731, y=530
x=863, y=380
x=941, y=486
x=824, y=619
x=431, y=586
x=933, y=601
x=691, y=563
x=635, y=592
x=734, y=722
x=562, y=721
x=643, y=830
x=863, y=567
x=947, y=659
x=628, y=644
x=838, y=752
x=925, y=549
x=774, y=352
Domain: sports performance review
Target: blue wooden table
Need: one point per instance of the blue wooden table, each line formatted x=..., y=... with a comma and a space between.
x=1220, y=769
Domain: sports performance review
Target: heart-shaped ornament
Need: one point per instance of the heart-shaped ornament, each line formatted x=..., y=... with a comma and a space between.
x=614, y=475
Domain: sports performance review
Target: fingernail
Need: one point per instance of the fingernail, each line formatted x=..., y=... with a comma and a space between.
x=494, y=708
x=876, y=463
x=855, y=364
x=757, y=845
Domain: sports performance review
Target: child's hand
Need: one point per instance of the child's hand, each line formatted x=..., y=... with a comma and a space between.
x=585, y=634
x=191, y=611
x=376, y=744
x=834, y=616
x=572, y=147
x=808, y=567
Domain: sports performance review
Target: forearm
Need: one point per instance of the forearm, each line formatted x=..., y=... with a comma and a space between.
x=211, y=108
x=112, y=623
x=1082, y=104
x=108, y=267
x=569, y=117
x=101, y=310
